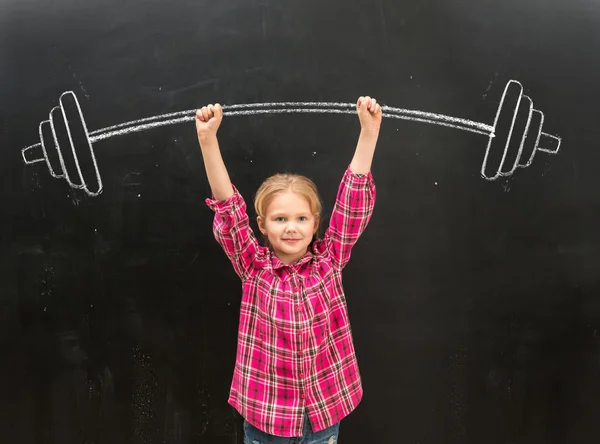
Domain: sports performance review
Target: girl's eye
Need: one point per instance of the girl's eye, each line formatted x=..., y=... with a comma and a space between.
x=279, y=219
x=303, y=218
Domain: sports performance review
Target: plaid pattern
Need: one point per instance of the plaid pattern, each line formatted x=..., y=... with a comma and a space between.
x=295, y=349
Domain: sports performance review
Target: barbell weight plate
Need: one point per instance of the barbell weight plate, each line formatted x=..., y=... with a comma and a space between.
x=517, y=136
x=532, y=139
x=50, y=150
x=86, y=169
x=497, y=148
x=64, y=151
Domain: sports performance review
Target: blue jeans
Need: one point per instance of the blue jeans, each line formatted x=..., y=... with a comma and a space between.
x=252, y=435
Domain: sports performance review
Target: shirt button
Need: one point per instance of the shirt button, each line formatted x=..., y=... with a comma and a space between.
x=302, y=395
x=300, y=353
x=298, y=308
x=302, y=375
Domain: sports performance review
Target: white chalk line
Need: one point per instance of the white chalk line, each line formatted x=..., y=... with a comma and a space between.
x=167, y=119
x=313, y=107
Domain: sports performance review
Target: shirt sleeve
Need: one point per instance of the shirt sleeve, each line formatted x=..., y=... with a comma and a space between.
x=231, y=228
x=350, y=216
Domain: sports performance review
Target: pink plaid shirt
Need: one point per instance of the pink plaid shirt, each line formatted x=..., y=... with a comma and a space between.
x=295, y=349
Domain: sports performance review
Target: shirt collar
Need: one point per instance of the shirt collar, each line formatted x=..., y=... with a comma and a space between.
x=277, y=263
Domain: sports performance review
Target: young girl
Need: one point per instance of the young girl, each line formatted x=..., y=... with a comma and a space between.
x=296, y=373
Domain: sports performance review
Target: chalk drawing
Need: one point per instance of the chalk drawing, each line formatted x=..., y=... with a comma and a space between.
x=39, y=152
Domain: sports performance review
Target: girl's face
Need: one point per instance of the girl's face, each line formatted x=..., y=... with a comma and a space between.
x=289, y=225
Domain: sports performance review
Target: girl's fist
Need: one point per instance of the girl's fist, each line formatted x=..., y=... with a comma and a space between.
x=369, y=113
x=208, y=119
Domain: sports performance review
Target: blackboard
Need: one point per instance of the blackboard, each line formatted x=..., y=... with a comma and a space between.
x=473, y=300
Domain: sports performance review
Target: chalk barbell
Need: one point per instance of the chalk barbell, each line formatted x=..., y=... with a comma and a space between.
x=79, y=168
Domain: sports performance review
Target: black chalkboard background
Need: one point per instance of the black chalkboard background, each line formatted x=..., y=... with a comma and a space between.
x=475, y=304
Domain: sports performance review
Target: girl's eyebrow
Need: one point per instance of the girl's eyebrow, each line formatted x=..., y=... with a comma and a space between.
x=283, y=213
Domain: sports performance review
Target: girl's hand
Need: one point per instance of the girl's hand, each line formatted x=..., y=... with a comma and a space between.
x=208, y=119
x=369, y=112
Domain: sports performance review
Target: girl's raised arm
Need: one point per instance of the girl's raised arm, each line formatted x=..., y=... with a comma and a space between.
x=230, y=225
x=370, y=114
x=208, y=119
x=356, y=194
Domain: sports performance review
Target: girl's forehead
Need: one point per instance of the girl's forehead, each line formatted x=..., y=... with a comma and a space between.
x=289, y=201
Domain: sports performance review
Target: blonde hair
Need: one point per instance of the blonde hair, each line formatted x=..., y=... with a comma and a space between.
x=283, y=182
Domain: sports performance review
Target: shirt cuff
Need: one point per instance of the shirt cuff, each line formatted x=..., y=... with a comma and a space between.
x=358, y=180
x=226, y=205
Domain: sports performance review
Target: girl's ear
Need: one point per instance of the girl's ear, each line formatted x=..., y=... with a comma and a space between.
x=261, y=224
x=317, y=221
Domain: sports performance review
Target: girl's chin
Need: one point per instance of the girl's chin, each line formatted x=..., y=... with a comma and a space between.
x=292, y=248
